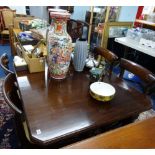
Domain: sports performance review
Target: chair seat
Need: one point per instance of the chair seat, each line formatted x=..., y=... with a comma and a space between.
x=5, y=32
x=145, y=115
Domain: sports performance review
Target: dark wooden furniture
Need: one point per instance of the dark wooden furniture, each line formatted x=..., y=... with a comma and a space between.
x=58, y=111
x=138, y=135
x=88, y=14
x=147, y=76
x=10, y=92
x=12, y=97
x=70, y=9
x=4, y=63
x=109, y=57
x=75, y=28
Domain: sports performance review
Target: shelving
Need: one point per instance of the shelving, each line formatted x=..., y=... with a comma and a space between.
x=145, y=22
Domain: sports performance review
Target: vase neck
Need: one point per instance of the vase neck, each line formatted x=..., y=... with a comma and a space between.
x=60, y=26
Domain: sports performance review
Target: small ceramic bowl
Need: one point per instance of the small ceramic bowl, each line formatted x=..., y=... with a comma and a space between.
x=102, y=91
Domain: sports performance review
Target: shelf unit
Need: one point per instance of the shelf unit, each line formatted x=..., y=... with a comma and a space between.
x=104, y=33
x=146, y=24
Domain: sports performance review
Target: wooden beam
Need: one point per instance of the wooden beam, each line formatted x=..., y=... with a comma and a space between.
x=105, y=25
x=90, y=24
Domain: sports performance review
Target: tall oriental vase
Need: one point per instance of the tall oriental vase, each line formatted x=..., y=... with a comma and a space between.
x=59, y=46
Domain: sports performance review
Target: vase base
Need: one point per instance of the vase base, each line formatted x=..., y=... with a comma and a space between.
x=78, y=70
x=58, y=77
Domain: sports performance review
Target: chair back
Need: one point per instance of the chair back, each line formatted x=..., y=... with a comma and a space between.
x=4, y=63
x=9, y=90
x=11, y=96
x=1, y=21
x=144, y=74
x=75, y=29
x=109, y=56
x=8, y=17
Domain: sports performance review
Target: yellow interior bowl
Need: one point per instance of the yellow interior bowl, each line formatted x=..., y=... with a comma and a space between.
x=102, y=91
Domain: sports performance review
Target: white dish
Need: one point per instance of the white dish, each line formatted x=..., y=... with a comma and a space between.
x=102, y=91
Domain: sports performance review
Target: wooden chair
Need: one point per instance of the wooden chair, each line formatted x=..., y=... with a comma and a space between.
x=10, y=92
x=75, y=28
x=110, y=57
x=148, y=85
x=1, y=21
x=12, y=98
x=1, y=17
x=4, y=63
x=7, y=17
x=11, y=95
x=144, y=74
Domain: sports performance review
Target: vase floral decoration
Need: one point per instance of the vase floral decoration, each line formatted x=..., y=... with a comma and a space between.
x=59, y=46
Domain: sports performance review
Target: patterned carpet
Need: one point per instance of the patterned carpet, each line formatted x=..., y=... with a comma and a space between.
x=8, y=135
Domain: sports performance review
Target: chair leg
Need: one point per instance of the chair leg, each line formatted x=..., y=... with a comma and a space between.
x=21, y=133
x=2, y=40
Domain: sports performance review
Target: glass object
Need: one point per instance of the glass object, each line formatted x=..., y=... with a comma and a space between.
x=116, y=32
x=59, y=46
x=134, y=34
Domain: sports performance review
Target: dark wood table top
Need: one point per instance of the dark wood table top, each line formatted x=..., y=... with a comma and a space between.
x=63, y=109
x=140, y=135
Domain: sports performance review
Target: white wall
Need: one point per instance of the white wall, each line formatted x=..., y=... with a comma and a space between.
x=39, y=11
x=80, y=12
x=19, y=9
x=128, y=13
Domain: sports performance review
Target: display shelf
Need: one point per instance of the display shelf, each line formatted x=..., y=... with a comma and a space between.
x=145, y=22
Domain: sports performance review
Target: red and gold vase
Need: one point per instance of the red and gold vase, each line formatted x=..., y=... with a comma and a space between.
x=59, y=46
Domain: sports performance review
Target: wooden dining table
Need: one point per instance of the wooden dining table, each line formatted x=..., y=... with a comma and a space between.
x=59, y=111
